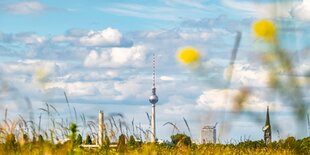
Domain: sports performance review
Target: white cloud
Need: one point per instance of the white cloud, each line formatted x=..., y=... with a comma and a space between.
x=189, y=3
x=116, y=57
x=180, y=35
x=167, y=12
x=178, y=105
x=89, y=75
x=97, y=88
x=108, y=37
x=222, y=100
x=28, y=7
x=25, y=38
x=302, y=11
x=142, y=11
x=85, y=90
x=166, y=78
x=31, y=74
x=93, y=59
x=129, y=88
x=262, y=10
x=214, y=99
x=244, y=74
x=105, y=37
x=29, y=66
x=75, y=89
x=63, y=38
x=30, y=38
x=28, y=77
x=197, y=35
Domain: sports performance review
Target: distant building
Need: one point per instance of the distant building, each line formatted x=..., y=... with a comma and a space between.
x=267, y=128
x=208, y=134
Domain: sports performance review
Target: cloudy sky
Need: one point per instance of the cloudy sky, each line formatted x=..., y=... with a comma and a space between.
x=100, y=53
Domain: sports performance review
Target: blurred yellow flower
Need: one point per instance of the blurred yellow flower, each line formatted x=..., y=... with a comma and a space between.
x=268, y=57
x=188, y=55
x=40, y=74
x=40, y=77
x=265, y=29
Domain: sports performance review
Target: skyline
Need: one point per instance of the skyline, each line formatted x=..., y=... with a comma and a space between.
x=100, y=54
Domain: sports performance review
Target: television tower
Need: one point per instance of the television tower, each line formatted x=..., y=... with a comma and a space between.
x=153, y=100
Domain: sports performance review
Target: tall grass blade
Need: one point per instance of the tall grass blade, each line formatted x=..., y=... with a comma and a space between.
x=148, y=117
x=189, y=130
x=68, y=104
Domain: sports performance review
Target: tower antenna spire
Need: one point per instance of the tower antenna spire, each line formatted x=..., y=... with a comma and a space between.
x=154, y=70
x=153, y=100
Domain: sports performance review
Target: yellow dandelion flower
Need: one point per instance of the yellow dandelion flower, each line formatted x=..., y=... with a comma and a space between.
x=188, y=55
x=265, y=29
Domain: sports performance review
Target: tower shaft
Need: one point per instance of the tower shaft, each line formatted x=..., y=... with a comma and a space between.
x=153, y=124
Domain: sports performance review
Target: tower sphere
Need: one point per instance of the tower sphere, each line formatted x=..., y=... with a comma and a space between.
x=153, y=99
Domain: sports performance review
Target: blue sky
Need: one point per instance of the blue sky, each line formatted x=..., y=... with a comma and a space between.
x=99, y=53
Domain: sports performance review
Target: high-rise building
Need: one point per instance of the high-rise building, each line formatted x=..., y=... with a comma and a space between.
x=153, y=100
x=208, y=134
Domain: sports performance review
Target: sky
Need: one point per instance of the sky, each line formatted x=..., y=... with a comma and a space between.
x=100, y=53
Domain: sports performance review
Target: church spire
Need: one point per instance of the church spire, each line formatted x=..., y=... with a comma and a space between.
x=267, y=128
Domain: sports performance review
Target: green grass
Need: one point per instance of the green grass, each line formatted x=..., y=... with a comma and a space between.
x=181, y=145
x=45, y=147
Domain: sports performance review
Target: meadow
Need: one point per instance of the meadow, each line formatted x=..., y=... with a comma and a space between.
x=180, y=144
x=64, y=137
